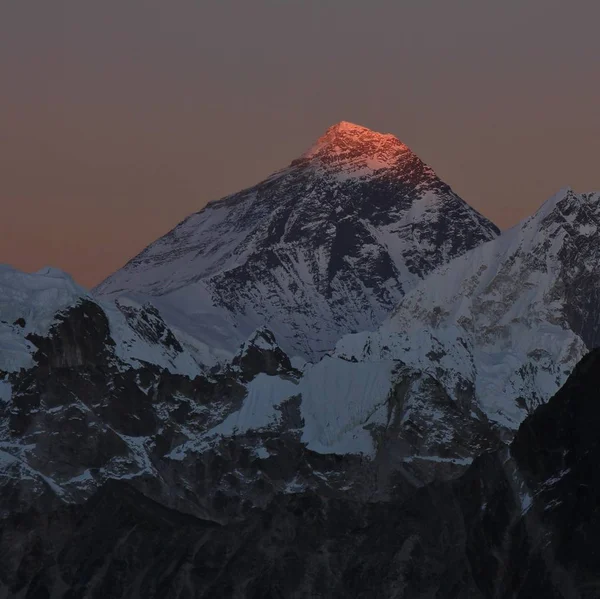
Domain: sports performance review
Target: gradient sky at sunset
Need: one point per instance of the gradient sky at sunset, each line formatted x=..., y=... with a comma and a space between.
x=118, y=119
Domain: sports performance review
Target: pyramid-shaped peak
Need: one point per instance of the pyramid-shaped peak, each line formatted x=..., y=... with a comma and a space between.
x=347, y=141
x=347, y=127
x=352, y=130
x=565, y=208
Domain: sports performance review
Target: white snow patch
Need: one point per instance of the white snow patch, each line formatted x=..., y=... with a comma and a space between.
x=258, y=410
x=294, y=486
x=36, y=298
x=261, y=452
x=526, y=502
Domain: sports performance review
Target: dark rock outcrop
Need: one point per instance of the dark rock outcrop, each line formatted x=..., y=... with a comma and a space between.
x=261, y=354
x=80, y=336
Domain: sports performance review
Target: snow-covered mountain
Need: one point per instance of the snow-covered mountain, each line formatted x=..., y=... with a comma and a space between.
x=33, y=307
x=97, y=391
x=280, y=520
x=467, y=354
x=92, y=391
x=324, y=247
x=111, y=422
x=118, y=443
x=506, y=323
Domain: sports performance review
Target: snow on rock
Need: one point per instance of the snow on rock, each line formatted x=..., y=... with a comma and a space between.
x=261, y=339
x=28, y=305
x=141, y=336
x=324, y=247
x=259, y=411
x=510, y=319
x=340, y=401
x=32, y=303
x=5, y=391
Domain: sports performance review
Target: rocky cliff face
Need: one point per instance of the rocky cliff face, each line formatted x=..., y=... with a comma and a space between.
x=324, y=247
x=46, y=318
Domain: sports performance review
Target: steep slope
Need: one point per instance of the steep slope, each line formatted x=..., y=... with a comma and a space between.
x=474, y=348
x=325, y=247
x=510, y=319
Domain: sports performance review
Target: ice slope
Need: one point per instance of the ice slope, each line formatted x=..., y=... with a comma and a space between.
x=378, y=406
x=340, y=400
x=324, y=247
x=497, y=329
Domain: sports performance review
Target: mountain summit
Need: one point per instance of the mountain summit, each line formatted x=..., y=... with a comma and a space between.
x=321, y=248
x=354, y=149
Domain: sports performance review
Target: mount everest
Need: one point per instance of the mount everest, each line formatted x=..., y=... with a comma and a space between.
x=324, y=247
x=348, y=334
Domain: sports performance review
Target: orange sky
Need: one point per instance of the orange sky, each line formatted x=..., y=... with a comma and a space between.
x=119, y=119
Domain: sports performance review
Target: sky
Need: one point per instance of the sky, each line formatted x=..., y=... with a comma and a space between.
x=118, y=119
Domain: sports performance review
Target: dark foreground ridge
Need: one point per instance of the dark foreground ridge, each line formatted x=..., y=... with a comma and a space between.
x=522, y=522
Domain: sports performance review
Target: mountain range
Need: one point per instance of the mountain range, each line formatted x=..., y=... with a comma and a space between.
x=334, y=383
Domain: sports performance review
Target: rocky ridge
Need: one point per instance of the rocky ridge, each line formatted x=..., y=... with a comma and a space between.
x=507, y=322
x=216, y=444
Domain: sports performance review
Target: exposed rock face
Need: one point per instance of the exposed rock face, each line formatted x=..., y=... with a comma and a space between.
x=46, y=318
x=521, y=522
x=79, y=337
x=324, y=247
x=534, y=528
x=261, y=354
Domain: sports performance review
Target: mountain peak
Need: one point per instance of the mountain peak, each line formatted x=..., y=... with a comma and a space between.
x=348, y=146
x=566, y=208
x=325, y=246
x=348, y=128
